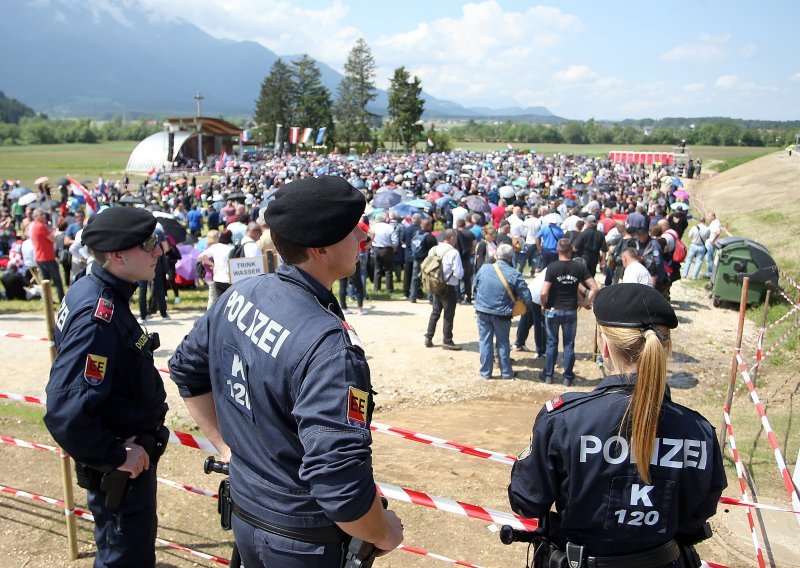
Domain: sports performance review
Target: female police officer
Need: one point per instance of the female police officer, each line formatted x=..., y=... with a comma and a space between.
x=280, y=384
x=105, y=398
x=634, y=476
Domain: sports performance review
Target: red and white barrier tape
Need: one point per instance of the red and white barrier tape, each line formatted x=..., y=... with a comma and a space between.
x=456, y=507
x=29, y=445
x=197, y=553
x=189, y=488
x=760, y=357
x=789, y=278
x=22, y=398
x=442, y=443
x=788, y=299
x=784, y=472
x=89, y=517
x=421, y=552
x=24, y=336
x=192, y=441
x=743, y=487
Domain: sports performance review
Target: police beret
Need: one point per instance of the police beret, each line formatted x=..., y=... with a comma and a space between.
x=633, y=305
x=315, y=212
x=118, y=228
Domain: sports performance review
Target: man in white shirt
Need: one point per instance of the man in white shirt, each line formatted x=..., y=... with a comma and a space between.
x=250, y=240
x=714, y=230
x=635, y=272
x=571, y=222
x=530, y=252
x=447, y=300
x=384, y=243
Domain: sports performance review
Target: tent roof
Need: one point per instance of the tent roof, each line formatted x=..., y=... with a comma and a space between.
x=215, y=126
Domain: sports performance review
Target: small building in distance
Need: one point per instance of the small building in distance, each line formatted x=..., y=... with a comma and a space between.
x=185, y=143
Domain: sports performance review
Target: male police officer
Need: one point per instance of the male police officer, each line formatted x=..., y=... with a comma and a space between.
x=279, y=383
x=105, y=399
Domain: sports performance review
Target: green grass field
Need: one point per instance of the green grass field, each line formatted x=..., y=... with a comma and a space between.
x=26, y=163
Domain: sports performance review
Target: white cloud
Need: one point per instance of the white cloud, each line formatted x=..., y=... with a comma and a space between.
x=692, y=87
x=708, y=49
x=727, y=81
x=748, y=51
x=575, y=74
x=482, y=53
x=795, y=78
x=279, y=25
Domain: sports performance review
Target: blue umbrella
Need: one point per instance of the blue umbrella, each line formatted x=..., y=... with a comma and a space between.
x=386, y=199
x=405, y=209
x=444, y=188
x=444, y=200
x=419, y=203
x=18, y=192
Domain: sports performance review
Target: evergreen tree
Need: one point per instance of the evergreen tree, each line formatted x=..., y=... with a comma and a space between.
x=355, y=92
x=276, y=101
x=313, y=107
x=405, y=108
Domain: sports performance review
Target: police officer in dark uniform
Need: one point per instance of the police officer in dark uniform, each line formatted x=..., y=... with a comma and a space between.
x=105, y=399
x=634, y=476
x=280, y=384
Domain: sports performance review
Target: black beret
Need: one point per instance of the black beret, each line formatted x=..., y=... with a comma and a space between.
x=633, y=305
x=315, y=212
x=118, y=228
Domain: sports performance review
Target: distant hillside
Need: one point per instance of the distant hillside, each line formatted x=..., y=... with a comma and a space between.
x=11, y=110
x=685, y=122
x=76, y=64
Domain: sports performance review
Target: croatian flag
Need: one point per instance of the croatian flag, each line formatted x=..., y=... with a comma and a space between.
x=294, y=134
x=307, y=132
x=78, y=188
x=245, y=136
x=430, y=141
x=151, y=172
x=222, y=159
x=321, y=135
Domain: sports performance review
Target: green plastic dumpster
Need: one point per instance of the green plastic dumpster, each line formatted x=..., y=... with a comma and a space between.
x=735, y=258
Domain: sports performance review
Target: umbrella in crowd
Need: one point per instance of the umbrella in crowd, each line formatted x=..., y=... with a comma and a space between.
x=18, y=192
x=129, y=199
x=420, y=204
x=50, y=204
x=404, y=209
x=62, y=181
x=27, y=199
x=386, y=199
x=171, y=226
x=475, y=203
x=42, y=179
x=679, y=205
x=433, y=196
x=680, y=194
x=185, y=267
x=506, y=192
x=445, y=200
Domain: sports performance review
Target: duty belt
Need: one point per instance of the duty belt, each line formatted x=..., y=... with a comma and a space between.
x=658, y=556
x=330, y=534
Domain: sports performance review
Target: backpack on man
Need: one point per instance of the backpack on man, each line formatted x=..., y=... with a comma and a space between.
x=432, y=274
x=679, y=252
x=237, y=251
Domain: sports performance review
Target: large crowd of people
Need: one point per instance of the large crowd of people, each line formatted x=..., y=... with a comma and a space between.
x=623, y=222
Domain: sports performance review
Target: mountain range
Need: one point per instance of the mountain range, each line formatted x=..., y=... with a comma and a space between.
x=69, y=62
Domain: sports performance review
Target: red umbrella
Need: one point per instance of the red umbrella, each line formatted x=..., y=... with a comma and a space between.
x=433, y=196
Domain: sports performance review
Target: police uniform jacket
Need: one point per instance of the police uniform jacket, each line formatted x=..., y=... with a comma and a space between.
x=103, y=385
x=578, y=460
x=292, y=394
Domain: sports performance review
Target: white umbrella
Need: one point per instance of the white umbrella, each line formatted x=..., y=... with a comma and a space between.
x=28, y=198
x=507, y=192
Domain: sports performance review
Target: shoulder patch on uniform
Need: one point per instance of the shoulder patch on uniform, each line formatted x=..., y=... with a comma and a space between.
x=554, y=403
x=357, y=407
x=63, y=314
x=104, y=310
x=354, y=338
x=525, y=453
x=95, y=369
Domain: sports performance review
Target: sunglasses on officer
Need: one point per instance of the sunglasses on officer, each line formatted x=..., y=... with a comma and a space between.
x=149, y=244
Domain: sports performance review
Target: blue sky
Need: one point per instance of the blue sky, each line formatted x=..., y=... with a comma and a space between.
x=580, y=59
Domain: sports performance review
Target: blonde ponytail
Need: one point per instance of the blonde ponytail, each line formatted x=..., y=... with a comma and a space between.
x=648, y=349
